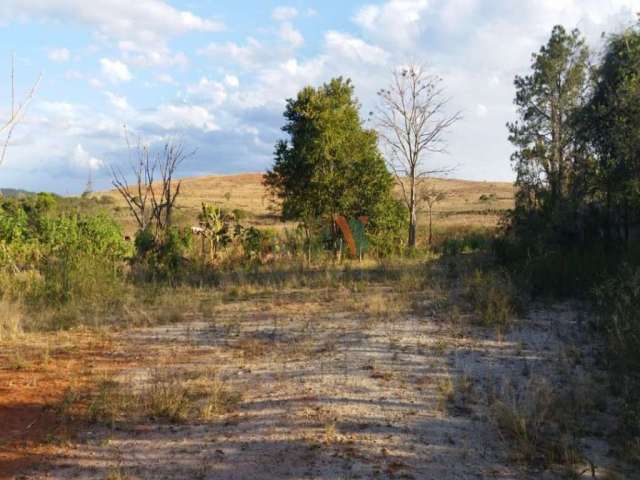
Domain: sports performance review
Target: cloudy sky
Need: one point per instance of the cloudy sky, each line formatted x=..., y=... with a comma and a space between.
x=216, y=73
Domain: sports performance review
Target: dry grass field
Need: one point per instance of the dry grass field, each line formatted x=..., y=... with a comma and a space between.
x=467, y=203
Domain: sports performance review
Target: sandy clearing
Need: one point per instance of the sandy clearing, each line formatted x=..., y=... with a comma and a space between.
x=328, y=396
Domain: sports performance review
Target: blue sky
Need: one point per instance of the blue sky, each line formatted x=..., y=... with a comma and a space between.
x=215, y=74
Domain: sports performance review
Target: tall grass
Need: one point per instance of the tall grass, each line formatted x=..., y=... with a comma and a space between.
x=11, y=320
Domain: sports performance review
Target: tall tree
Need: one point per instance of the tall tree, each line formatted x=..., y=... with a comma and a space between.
x=412, y=121
x=330, y=165
x=547, y=100
x=612, y=122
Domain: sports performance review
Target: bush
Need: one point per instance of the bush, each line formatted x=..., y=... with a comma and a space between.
x=163, y=258
x=259, y=243
x=388, y=228
x=556, y=271
x=465, y=243
x=492, y=297
x=617, y=300
x=52, y=257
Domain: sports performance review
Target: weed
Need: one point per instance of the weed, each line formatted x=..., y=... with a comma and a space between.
x=532, y=419
x=11, y=320
x=492, y=298
x=167, y=396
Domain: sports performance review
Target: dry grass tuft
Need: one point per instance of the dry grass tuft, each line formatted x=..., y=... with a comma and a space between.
x=167, y=396
x=533, y=420
x=11, y=320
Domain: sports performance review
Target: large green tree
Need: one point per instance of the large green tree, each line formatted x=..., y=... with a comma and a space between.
x=547, y=101
x=611, y=121
x=330, y=165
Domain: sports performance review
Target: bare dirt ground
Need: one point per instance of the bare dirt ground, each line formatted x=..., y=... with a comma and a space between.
x=330, y=392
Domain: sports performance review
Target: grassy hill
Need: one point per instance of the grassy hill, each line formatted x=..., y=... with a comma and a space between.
x=14, y=192
x=468, y=203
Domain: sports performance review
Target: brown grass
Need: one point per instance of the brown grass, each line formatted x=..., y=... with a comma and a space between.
x=467, y=203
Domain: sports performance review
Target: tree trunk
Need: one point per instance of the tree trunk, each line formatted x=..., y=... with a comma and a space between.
x=412, y=227
x=430, y=226
x=412, y=213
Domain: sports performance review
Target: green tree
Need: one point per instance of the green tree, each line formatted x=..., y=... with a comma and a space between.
x=547, y=101
x=331, y=164
x=611, y=121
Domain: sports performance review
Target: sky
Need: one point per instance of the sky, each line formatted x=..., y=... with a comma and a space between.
x=215, y=74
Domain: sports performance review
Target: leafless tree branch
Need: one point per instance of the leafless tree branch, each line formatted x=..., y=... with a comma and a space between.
x=151, y=202
x=16, y=113
x=412, y=120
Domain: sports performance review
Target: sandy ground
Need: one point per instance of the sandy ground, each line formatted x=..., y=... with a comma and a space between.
x=329, y=395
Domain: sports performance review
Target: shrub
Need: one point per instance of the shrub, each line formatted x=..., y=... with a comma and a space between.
x=388, y=227
x=167, y=396
x=259, y=243
x=534, y=422
x=52, y=257
x=492, y=297
x=465, y=242
x=617, y=300
x=11, y=320
x=163, y=258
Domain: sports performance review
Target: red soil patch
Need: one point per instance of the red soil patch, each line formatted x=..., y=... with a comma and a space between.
x=31, y=426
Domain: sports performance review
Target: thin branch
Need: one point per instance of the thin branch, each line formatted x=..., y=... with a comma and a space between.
x=6, y=129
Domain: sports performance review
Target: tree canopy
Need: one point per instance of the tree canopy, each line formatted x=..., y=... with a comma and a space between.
x=330, y=164
x=547, y=102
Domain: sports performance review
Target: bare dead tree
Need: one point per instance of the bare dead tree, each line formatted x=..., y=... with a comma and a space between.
x=412, y=120
x=16, y=113
x=430, y=195
x=151, y=202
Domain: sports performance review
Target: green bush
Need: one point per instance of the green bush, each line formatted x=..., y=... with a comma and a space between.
x=258, y=243
x=53, y=257
x=388, y=228
x=163, y=258
x=465, y=241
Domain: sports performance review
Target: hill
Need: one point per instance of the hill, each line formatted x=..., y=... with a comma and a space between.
x=467, y=203
x=15, y=192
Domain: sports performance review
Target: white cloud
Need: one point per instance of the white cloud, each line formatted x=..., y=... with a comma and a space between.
x=59, y=55
x=454, y=13
x=147, y=56
x=353, y=48
x=481, y=110
x=398, y=22
x=115, y=71
x=291, y=35
x=83, y=160
x=170, y=117
x=96, y=83
x=208, y=90
x=146, y=20
x=73, y=75
x=149, y=24
x=283, y=13
x=118, y=101
x=165, y=78
x=232, y=81
x=249, y=55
